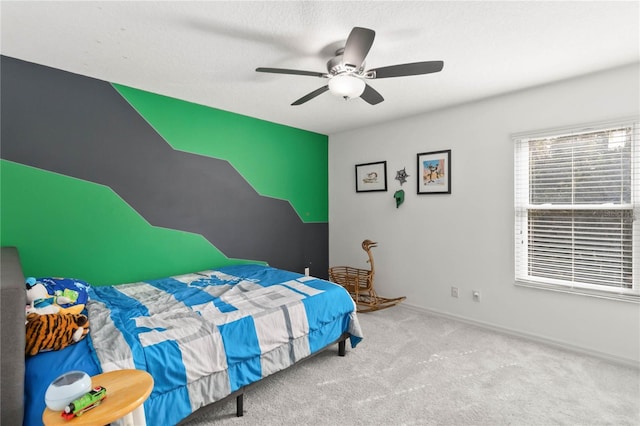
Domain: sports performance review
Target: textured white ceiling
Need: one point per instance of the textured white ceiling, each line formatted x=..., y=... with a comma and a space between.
x=206, y=52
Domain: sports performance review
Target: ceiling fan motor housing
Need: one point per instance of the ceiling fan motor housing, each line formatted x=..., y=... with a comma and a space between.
x=336, y=66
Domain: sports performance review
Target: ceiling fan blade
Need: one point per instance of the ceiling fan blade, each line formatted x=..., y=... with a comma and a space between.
x=371, y=95
x=358, y=44
x=311, y=95
x=294, y=72
x=403, y=70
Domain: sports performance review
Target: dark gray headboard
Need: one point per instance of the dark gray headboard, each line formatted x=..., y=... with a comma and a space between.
x=12, y=334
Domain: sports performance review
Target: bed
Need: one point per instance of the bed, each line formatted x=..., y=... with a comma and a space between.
x=203, y=336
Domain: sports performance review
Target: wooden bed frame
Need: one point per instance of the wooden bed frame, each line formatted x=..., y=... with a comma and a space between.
x=13, y=337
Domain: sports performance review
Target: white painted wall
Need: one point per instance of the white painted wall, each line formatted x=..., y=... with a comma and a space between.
x=465, y=239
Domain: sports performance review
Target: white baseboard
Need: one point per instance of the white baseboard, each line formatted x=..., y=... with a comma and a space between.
x=537, y=338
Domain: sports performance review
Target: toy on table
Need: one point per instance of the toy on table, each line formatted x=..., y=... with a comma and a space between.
x=66, y=388
x=86, y=402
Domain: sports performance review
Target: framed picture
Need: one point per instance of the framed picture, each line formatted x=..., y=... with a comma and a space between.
x=371, y=177
x=434, y=172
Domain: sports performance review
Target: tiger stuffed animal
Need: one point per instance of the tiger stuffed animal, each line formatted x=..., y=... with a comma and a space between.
x=53, y=332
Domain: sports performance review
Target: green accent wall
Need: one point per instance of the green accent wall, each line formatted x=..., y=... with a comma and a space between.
x=278, y=161
x=68, y=227
x=111, y=184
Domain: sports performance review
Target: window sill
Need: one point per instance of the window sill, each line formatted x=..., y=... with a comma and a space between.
x=623, y=297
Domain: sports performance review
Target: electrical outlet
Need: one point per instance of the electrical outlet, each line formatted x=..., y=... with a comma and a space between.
x=476, y=295
x=454, y=291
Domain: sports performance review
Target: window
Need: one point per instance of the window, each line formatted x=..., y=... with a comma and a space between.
x=576, y=205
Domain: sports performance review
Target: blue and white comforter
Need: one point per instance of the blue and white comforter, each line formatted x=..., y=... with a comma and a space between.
x=204, y=335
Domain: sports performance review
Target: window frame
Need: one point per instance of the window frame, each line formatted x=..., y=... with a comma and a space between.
x=522, y=208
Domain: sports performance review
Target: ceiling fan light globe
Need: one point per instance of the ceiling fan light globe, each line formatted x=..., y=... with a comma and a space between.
x=346, y=86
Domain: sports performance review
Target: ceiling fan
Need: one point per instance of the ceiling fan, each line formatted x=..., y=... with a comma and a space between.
x=346, y=71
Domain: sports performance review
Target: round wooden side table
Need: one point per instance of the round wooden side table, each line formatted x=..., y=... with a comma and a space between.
x=126, y=391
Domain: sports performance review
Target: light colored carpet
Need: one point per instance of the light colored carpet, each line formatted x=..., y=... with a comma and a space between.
x=414, y=368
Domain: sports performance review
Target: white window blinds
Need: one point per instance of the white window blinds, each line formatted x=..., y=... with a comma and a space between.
x=576, y=205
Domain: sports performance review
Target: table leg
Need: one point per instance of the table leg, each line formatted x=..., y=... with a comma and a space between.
x=134, y=418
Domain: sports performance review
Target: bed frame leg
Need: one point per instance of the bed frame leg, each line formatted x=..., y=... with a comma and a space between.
x=342, y=346
x=239, y=405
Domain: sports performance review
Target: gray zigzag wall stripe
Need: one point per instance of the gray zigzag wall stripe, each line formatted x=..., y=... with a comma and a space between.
x=81, y=127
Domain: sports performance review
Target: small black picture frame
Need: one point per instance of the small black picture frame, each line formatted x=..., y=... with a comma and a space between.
x=434, y=172
x=371, y=177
